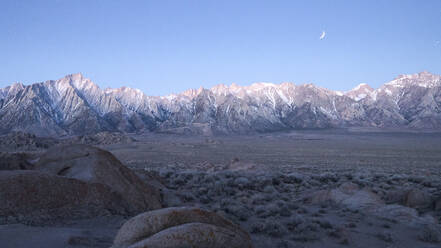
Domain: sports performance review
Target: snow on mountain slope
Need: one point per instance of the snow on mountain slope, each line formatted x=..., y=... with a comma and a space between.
x=360, y=92
x=75, y=105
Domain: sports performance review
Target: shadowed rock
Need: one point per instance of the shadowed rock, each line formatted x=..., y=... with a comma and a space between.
x=90, y=164
x=14, y=161
x=181, y=227
x=414, y=198
x=32, y=196
x=417, y=198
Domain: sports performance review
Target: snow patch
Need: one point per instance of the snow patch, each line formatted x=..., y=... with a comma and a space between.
x=359, y=86
x=359, y=97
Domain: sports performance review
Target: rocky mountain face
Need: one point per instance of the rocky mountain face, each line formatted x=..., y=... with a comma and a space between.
x=75, y=105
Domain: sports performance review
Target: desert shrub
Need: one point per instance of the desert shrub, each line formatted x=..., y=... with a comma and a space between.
x=292, y=222
x=165, y=173
x=385, y=236
x=269, y=189
x=268, y=210
x=242, y=182
x=430, y=234
x=258, y=199
x=325, y=224
x=240, y=212
x=306, y=231
x=187, y=196
x=270, y=227
x=293, y=178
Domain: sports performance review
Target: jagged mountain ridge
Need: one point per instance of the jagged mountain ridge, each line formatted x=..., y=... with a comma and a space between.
x=75, y=105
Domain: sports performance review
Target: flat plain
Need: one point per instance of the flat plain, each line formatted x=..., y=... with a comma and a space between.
x=325, y=150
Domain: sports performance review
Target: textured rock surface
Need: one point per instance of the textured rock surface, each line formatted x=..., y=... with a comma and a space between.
x=75, y=105
x=177, y=227
x=195, y=235
x=349, y=196
x=94, y=165
x=31, y=196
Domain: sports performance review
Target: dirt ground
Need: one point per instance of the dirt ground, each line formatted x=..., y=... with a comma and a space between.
x=306, y=150
x=285, y=189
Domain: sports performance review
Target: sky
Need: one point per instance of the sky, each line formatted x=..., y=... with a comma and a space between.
x=164, y=47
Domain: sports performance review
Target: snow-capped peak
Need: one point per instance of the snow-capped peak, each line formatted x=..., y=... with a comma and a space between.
x=360, y=92
x=362, y=85
x=76, y=102
x=423, y=79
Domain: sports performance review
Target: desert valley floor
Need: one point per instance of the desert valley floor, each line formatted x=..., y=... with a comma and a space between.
x=314, y=188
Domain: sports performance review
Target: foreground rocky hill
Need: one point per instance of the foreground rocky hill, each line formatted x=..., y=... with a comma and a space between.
x=75, y=105
x=74, y=181
x=67, y=184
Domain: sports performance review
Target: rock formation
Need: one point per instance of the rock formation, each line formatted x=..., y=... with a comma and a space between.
x=181, y=227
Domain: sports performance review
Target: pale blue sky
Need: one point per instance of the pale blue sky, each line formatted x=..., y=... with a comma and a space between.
x=162, y=46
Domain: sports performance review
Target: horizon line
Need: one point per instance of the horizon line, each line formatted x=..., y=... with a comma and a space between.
x=222, y=84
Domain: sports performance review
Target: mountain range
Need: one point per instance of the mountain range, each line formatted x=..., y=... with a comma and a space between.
x=75, y=105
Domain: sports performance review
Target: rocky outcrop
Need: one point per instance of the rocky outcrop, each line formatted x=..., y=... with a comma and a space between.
x=94, y=165
x=181, y=227
x=414, y=198
x=74, y=181
x=33, y=197
x=348, y=195
x=417, y=198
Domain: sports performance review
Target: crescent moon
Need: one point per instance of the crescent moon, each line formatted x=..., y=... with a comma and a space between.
x=322, y=36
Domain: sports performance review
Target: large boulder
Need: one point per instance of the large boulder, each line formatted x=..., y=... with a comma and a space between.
x=195, y=235
x=94, y=165
x=416, y=198
x=348, y=195
x=181, y=227
x=396, y=196
x=33, y=196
